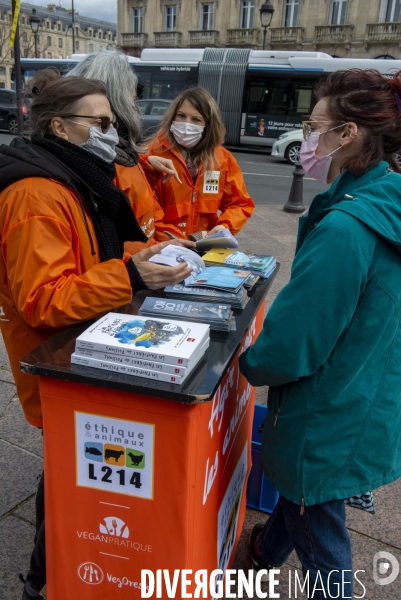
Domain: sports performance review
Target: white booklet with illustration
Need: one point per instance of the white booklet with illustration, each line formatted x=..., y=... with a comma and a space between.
x=160, y=340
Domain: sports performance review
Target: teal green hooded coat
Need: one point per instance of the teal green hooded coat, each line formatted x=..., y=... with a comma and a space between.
x=330, y=348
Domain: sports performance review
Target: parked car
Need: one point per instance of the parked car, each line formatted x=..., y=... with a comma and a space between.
x=152, y=112
x=288, y=146
x=8, y=110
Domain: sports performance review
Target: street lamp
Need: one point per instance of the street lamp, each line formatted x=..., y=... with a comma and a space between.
x=34, y=22
x=266, y=15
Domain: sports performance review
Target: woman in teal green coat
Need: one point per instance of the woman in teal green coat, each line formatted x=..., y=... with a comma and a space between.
x=330, y=348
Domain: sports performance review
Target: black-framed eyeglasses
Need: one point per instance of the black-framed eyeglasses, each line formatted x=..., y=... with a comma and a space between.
x=105, y=122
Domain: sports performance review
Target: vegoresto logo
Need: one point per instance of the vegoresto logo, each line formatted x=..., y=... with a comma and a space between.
x=91, y=573
x=381, y=565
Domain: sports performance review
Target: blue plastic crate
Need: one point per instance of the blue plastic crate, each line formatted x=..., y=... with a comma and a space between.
x=260, y=493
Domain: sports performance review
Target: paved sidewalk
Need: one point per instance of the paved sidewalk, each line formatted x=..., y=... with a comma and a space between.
x=270, y=231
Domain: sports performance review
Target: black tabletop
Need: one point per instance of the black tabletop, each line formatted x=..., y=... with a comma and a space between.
x=53, y=358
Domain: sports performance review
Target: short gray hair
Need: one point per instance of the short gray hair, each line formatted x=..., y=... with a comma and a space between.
x=112, y=67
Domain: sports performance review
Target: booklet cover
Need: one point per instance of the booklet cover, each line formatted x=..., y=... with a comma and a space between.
x=161, y=340
x=220, y=239
x=257, y=264
x=221, y=278
x=236, y=300
x=219, y=316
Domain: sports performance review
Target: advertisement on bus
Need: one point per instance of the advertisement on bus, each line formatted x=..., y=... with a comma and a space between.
x=270, y=126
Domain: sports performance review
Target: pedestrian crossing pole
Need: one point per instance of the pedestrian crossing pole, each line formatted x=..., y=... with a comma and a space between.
x=14, y=41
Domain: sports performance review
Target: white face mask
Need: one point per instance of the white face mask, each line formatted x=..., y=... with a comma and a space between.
x=102, y=144
x=186, y=134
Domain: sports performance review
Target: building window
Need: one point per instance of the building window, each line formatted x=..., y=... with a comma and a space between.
x=338, y=12
x=393, y=11
x=49, y=55
x=76, y=30
x=23, y=20
x=207, y=17
x=25, y=37
x=47, y=24
x=171, y=18
x=9, y=17
x=247, y=12
x=49, y=40
x=25, y=51
x=76, y=46
x=90, y=47
x=58, y=26
x=291, y=13
x=2, y=71
x=137, y=20
x=60, y=42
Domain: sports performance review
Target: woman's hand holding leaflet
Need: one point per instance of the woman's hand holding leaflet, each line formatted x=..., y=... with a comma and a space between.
x=157, y=276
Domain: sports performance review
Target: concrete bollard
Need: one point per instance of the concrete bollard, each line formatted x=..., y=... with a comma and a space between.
x=295, y=203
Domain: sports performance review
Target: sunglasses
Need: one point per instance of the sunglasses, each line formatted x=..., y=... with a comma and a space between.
x=105, y=122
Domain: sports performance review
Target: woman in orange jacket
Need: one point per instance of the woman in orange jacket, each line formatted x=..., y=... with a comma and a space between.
x=63, y=225
x=115, y=71
x=212, y=195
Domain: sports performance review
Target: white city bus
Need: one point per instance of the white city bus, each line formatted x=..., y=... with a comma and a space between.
x=261, y=93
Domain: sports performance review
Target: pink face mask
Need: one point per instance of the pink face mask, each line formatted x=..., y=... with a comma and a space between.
x=316, y=166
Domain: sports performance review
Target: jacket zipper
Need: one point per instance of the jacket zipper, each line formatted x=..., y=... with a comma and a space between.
x=193, y=200
x=278, y=408
x=301, y=512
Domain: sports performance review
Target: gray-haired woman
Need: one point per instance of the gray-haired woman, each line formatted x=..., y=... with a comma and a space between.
x=114, y=69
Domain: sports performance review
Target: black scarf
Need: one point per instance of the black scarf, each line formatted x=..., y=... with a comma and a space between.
x=113, y=218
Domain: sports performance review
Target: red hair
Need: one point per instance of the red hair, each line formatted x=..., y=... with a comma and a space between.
x=373, y=103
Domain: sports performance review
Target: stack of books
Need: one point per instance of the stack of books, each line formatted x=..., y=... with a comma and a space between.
x=237, y=300
x=158, y=349
x=219, y=316
x=257, y=264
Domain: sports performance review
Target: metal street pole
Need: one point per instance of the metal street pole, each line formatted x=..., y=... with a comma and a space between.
x=18, y=79
x=36, y=45
x=264, y=37
x=295, y=202
x=73, y=26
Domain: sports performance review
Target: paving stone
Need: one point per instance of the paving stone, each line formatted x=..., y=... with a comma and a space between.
x=7, y=392
x=385, y=525
x=363, y=552
x=16, y=543
x=6, y=375
x=15, y=428
x=27, y=511
x=19, y=471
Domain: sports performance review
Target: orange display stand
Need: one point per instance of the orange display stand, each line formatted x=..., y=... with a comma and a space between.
x=152, y=478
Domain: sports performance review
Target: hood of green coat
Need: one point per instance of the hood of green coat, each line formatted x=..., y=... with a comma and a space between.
x=374, y=199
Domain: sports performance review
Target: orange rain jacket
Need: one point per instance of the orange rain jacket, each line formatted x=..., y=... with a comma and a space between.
x=49, y=276
x=132, y=180
x=190, y=207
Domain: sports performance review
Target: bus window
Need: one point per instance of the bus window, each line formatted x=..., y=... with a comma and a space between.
x=167, y=84
x=301, y=97
x=276, y=103
x=143, y=87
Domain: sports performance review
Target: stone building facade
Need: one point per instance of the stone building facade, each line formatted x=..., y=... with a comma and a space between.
x=344, y=28
x=54, y=38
